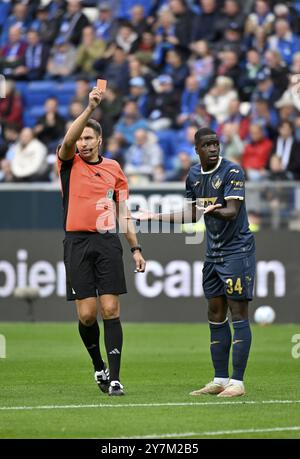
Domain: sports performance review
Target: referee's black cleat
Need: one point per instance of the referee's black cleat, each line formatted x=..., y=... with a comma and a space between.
x=115, y=388
x=102, y=379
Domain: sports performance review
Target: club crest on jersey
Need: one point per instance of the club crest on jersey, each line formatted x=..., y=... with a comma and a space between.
x=110, y=194
x=216, y=182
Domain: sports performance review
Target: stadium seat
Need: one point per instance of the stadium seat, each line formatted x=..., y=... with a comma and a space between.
x=37, y=92
x=64, y=92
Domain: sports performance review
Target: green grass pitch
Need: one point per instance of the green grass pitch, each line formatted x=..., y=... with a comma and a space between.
x=48, y=390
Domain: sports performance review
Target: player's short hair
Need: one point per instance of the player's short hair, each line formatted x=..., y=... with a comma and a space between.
x=95, y=126
x=202, y=132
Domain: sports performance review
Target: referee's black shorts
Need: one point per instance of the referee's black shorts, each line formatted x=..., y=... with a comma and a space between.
x=94, y=265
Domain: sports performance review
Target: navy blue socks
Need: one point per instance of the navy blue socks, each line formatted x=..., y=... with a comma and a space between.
x=240, y=348
x=220, y=343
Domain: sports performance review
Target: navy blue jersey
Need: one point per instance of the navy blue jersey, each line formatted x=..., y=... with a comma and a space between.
x=225, y=238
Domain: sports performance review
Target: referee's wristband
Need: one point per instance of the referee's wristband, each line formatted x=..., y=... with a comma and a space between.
x=136, y=247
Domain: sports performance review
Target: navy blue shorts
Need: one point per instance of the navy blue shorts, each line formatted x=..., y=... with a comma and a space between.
x=232, y=278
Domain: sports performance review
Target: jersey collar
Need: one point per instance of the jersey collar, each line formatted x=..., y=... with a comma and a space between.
x=100, y=159
x=214, y=169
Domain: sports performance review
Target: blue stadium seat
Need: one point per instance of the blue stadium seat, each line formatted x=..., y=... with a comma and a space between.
x=38, y=91
x=63, y=110
x=64, y=92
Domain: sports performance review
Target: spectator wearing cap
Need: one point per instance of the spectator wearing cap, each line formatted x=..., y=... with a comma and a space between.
x=256, y=155
x=138, y=93
x=176, y=68
x=62, y=61
x=218, y=98
x=89, y=51
x=34, y=63
x=205, y=25
x=106, y=26
x=164, y=103
x=285, y=41
x=265, y=88
x=232, y=40
x=73, y=22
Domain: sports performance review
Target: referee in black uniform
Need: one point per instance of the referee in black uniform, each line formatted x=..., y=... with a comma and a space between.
x=94, y=191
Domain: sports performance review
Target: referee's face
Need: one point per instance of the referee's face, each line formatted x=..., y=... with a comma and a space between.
x=208, y=150
x=88, y=144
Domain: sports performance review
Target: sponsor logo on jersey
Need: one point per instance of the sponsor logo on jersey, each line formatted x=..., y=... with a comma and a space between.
x=204, y=202
x=216, y=182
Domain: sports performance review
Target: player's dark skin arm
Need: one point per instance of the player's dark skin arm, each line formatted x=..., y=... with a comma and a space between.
x=188, y=214
x=230, y=212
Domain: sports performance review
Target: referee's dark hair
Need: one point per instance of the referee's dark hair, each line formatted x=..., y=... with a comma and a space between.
x=202, y=132
x=95, y=126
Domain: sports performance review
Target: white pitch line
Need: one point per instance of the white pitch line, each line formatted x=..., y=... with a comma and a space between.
x=218, y=432
x=144, y=405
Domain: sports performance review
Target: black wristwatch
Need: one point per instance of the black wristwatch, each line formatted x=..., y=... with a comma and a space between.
x=136, y=247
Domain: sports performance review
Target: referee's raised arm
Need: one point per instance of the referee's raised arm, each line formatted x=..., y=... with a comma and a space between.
x=68, y=147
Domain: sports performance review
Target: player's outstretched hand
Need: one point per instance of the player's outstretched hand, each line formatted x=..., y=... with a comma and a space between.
x=211, y=208
x=95, y=97
x=142, y=215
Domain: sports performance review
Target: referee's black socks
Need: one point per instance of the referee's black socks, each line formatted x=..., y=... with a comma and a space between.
x=113, y=338
x=90, y=337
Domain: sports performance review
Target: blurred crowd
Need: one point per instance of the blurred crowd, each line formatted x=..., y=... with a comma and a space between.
x=172, y=66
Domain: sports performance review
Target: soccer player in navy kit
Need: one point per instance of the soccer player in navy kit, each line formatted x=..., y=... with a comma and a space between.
x=218, y=186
